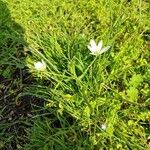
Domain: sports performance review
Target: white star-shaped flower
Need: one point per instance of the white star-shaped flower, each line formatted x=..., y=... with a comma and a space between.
x=40, y=65
x=97, y=49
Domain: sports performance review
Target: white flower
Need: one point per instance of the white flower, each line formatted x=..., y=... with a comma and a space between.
x=97, y=49
x=104, y=127
x=40, y=65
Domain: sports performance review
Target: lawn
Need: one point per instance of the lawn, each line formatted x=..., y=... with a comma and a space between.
x=74, y=75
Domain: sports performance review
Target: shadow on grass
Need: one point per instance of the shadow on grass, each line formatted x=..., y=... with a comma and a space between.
x=12, y=76
x=15, y=117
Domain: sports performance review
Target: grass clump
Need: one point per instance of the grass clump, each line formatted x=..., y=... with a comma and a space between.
x=95, y=102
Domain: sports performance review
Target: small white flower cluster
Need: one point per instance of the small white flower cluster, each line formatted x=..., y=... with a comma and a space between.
x=40, y=65
x=93, y=47
x=104, y=127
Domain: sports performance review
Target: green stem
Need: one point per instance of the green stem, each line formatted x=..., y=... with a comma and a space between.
x=87, y=69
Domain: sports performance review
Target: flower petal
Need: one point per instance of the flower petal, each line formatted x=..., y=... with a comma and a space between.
x=100, y=45
x=40, y=65
x=103, y=126
x=104, y=49
x=93, y=46
x=93, y=43
x=90, y=48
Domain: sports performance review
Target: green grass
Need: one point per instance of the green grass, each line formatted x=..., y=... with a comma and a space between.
x=81, y=92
